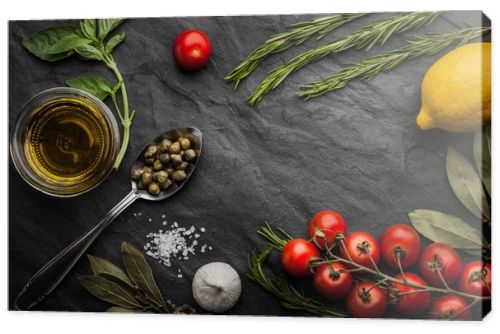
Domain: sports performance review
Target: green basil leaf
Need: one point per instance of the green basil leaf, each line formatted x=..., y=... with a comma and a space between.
x=114, y=41
x=140, y=273
x=96, y=86
x=89, y=52
x=482, y=155
x=101, y=266
x=55, y=43
x=466, y=183
x=89, y=28
x=440, y=227
x=108, y=25
x=109, y=291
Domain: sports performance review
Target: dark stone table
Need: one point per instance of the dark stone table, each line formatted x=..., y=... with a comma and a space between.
x=357, y=151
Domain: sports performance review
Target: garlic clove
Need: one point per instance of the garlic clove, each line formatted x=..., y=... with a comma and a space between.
x=216, y=287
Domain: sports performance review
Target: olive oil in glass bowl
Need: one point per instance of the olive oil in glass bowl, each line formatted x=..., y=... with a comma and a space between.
x=64, y=142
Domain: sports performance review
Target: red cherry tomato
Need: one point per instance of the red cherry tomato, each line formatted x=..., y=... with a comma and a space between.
x=407, y=301
x=332, y=281
x=296, y=255
x=330, y=223
x=360, y=247
x=400, y=240
x=443, y=258
x=450, y=307
x=191, y=50
x=476, y=279
x=366, y=300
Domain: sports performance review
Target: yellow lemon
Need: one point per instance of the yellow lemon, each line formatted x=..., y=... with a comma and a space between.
x=456, y=90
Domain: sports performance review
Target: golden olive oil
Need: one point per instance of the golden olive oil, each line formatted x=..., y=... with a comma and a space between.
x=66, y=141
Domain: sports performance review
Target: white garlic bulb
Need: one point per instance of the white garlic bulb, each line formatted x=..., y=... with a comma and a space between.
x=216, y=287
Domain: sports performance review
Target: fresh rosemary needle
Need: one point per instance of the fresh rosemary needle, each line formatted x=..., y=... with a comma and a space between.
x=376, y=33
x=297, y=35
x=370, y=67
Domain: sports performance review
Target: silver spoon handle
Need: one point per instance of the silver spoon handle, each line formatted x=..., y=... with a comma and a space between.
x=52, y=273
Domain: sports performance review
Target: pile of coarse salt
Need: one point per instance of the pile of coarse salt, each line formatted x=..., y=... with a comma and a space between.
x=176, y=243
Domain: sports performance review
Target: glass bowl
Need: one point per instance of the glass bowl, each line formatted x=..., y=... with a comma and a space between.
x=64, y=142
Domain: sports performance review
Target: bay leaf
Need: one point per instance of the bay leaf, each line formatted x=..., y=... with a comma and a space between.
x=441, y=227
x=108, y=291
x=118, y=309
x=140, y=273
x=466, y=183
x=102, y=266
x=482, y=154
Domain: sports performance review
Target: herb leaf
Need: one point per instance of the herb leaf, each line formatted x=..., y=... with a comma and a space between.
x=107, y=25
x=89, y=52
x=114, y=41
x=55, y=43
x=101, y=266
x=482, y=155
x=108, y=291
x=140, y=273
x=440, y=227
x=466, y=183
x=94, y=85
x=89, y=28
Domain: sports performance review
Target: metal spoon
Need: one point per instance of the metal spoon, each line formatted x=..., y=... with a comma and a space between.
x=51, y=274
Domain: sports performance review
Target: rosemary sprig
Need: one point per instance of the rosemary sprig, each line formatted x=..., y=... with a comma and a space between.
x=375, y=33
x=370, y=67
x=297, y=35
x=289, y=297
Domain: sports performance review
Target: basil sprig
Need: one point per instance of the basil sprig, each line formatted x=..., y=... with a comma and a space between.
x=91, y=40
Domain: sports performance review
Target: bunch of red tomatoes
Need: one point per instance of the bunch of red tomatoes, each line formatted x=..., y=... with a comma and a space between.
x=409, y=294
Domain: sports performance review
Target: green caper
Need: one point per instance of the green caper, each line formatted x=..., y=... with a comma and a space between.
x=166, y=184
x=189, y=154
x=176, y=159
x=164, y=145
x=149, y=161
x=147, y=169
x=164, y=158
x=179, y=175
x=170, y=171
x=182, y=166
x=147, y=178
x=175, y=148
x=151, y=151
x=157, y=165
x=136, y=174
x=161, y=176
x=153, y=188
x=185, y=143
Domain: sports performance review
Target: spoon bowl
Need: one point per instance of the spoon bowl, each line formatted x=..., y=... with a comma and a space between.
x=195, y=137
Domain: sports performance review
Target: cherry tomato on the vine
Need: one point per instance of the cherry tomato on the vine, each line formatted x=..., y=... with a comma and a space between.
x=408, y=301
x=296, y=255
x=360, y=247
x=332, y=281
x=400, y=241
x=366, y=300
x=440, y=259
x=329, y=224
x=476, y=279
x=191, y=50
x=450, y=307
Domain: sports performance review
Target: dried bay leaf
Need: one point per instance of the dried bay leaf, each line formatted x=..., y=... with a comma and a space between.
x=466, y=183
x=101, y=266
x=118, y=309
x=482, y=154
x=140, y=273
x=440, y=227
x=108, y=291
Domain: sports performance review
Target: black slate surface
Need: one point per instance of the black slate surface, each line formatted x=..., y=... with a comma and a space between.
x=357, y=151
